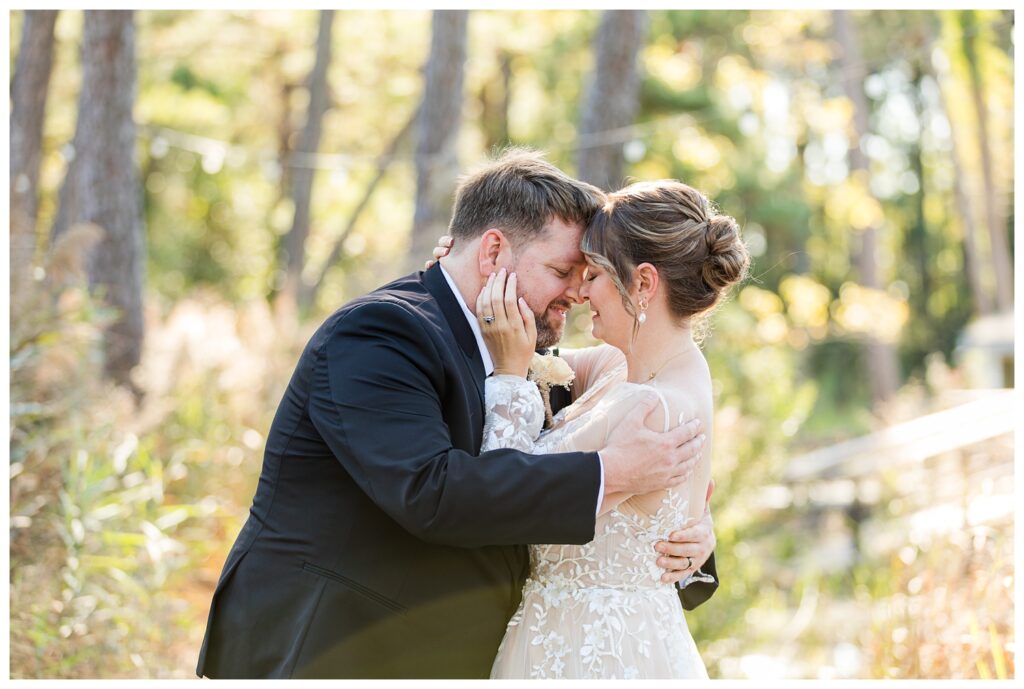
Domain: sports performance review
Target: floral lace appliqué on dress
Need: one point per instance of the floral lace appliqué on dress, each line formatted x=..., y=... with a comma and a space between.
x=597, y=610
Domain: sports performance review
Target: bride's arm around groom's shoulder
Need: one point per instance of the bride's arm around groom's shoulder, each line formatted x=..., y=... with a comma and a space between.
x=590, y=363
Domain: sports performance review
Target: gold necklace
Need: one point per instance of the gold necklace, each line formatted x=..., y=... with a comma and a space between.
x=666, y=362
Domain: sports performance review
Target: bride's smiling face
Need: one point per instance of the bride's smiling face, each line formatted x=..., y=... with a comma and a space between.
x=612, y=323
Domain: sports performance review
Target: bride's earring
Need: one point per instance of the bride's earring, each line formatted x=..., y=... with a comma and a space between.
x=642, y=318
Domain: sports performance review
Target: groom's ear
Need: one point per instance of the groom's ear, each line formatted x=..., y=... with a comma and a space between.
x=495, y=252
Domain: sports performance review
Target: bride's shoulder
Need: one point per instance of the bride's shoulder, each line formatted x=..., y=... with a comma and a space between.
x=675, y=403
x=627, y=394
x=597, y=358
x=607, y=353
x=594, y=367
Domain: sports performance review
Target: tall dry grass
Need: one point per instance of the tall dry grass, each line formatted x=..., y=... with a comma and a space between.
x=122, y=509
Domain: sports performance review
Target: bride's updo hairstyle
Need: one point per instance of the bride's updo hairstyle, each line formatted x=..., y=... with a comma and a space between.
x=698, y=253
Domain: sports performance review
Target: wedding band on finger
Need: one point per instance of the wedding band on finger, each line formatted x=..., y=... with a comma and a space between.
x=488, y=319
x=689, y=562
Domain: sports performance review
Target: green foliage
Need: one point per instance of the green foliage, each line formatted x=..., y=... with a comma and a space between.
x=123, y=510
x=116, y=535
x=761, y=404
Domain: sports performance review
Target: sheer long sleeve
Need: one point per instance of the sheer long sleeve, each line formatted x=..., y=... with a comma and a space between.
x=590, y=363
x=514, y=414
x=515, y=417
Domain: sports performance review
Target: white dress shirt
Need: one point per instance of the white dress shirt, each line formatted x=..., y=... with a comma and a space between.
x=485, y=356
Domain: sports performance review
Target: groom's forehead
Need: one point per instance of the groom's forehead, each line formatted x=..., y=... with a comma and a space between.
x=561, y=241
x=574, y=255
x=561, y=251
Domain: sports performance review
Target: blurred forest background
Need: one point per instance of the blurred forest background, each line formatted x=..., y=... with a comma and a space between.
x=192, y=192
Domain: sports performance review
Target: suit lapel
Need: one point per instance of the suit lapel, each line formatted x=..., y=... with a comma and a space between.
x=435, y=283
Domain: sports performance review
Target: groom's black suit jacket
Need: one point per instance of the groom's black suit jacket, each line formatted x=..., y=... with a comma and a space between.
x=378, y=543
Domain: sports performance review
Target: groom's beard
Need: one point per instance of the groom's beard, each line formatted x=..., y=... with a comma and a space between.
x=548, y=332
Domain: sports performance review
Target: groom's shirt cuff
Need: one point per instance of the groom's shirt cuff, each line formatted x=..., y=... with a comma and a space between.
x=600, y=489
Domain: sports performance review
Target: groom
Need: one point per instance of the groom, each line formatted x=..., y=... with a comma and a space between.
x=379, y=543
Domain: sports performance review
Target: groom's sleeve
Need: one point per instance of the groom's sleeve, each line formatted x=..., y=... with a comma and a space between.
x=700, y=585
x=375, y=398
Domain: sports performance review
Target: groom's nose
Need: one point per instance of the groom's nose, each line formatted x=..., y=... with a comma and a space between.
x=573, y=295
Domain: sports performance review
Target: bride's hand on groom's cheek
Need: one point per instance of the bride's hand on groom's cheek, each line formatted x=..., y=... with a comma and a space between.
x=507, y=325
x=444, y=246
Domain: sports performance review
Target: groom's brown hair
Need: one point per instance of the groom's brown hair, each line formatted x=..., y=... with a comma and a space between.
x=518, y=193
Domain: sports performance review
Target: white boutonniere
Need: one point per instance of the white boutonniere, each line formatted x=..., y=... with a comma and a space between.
x=547, y=370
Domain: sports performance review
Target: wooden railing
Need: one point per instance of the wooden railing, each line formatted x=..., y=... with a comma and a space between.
x=910, y=442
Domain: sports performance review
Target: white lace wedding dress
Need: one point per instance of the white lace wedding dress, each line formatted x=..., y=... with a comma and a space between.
x=597, y=610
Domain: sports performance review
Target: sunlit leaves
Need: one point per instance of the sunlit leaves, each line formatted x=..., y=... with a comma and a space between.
x=695, y=150
x=677, y=69
x=853, y=206
x=864, y=311
x=760, y=302
x=807, y=302
x=743, y=105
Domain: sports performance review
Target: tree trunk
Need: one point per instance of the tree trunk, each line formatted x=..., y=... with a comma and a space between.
x=437, y=132
x=613, y=96
x=494, y=104
x=972, y=257
x=101, y=185
x=308, y=291
x=883, y=365
x=283, y=127
x=303, y=172
x=917, y=234
x=28, y=95
x=995, y=216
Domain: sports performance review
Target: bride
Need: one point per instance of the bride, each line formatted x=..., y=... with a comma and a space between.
x=658, y=258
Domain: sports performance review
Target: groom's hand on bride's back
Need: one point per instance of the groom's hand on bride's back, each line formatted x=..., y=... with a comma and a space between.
x=638, y=460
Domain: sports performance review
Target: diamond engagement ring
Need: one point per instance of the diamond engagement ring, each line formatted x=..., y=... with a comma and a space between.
x=488, y=319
